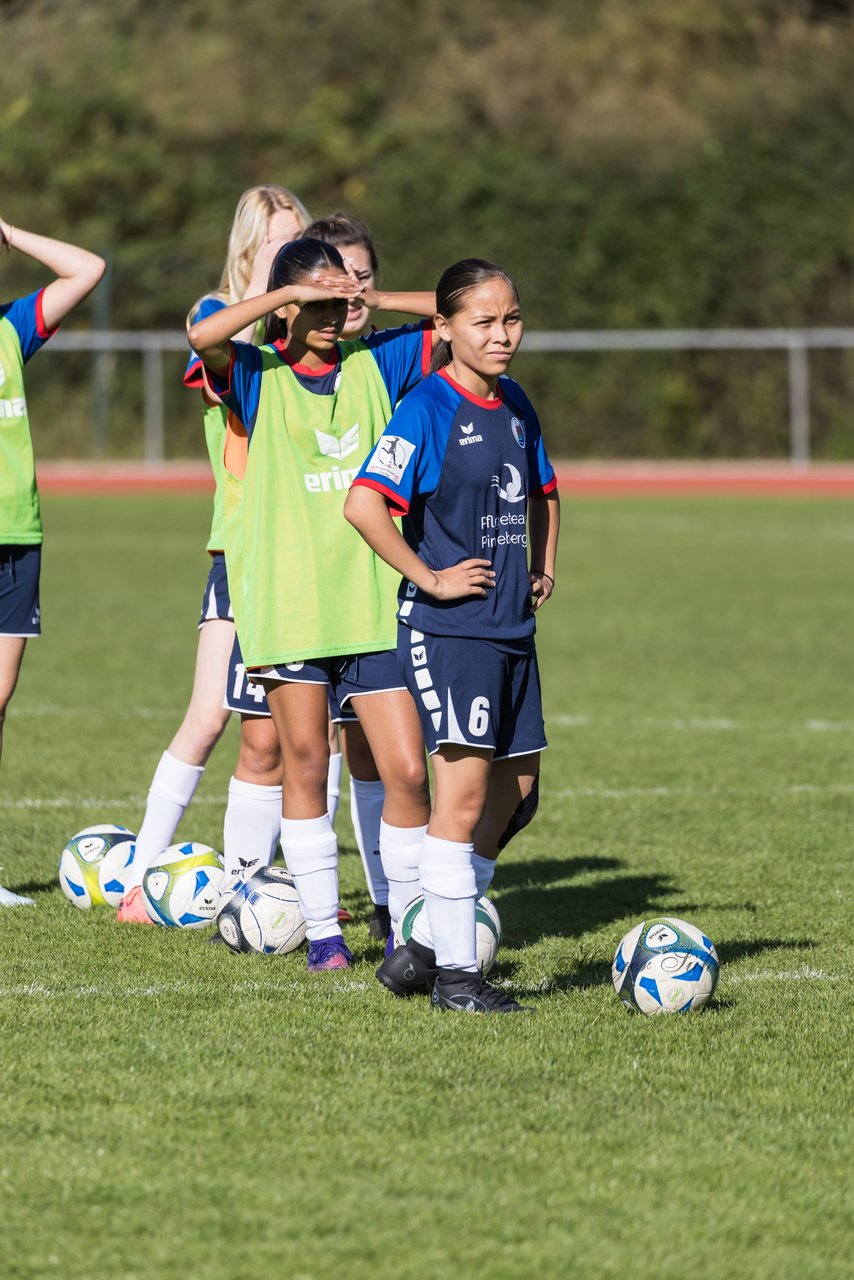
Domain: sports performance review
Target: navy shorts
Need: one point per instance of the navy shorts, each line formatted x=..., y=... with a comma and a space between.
x=216, y=602
x=347, y=678
x=20, y=567
x=474, y=693
x=242, y=694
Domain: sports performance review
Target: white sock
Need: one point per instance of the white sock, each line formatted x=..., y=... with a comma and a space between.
x=400, y=850
x=450, y=891
x=366, y=808
x=172, y=788
x=333, y=785
x=311, y=854
x=253, y=824
x=484, y=870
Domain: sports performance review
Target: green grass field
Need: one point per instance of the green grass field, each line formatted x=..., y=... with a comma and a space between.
x=170, y=1110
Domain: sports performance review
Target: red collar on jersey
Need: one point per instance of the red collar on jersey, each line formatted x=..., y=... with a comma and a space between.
x=469, y=395
x=304, y=369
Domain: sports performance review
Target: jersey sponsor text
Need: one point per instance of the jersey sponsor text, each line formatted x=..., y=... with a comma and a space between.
x=326, y=481
x=14, y=408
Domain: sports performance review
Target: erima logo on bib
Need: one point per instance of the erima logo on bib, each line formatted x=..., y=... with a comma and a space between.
x=390, y=458
x=332, y=447
x=15, y=408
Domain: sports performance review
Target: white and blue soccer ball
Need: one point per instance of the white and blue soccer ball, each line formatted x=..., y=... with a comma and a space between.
x=487, y=930
x=94, y=864
x=262, y=914
x=182, y=888
x=665, y=965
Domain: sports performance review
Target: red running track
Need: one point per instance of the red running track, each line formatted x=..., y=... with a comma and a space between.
x=600, y=479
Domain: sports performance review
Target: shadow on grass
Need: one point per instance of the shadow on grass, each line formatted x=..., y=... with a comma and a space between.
x=739, y=949
x=536, y=911
x=598, y=973
x=34, y=886
x=542, y=872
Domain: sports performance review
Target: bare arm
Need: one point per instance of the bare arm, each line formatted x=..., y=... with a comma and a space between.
x=77, y=270
x=411, y=304
x=211, y=338
x=418, y=303
x=367, y=511
x=544, y=526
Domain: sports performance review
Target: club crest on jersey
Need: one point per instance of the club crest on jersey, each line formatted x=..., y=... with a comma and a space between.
x=518, y=429
x=513, y=490
x=391, y=457
x=333, y=447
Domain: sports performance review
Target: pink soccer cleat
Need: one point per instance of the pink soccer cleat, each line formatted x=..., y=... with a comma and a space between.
x=328, y=953
x=132, y=908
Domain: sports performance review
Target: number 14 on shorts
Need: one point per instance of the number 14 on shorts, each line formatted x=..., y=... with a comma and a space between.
x=243, y=688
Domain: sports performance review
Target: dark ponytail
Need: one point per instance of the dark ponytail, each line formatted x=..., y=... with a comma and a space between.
x=342, y=229
x=454, y=284
x=293, y=263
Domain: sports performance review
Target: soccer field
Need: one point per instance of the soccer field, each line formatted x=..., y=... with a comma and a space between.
x=170, y=1109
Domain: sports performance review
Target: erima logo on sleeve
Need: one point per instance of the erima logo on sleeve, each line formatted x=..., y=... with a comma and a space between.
x=391, y=458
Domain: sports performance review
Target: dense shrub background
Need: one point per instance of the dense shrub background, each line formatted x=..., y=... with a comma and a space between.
x=634, y=163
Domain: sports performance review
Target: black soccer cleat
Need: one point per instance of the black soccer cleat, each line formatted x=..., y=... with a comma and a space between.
x=379, y=925
x=409, y=970
x=470, y=993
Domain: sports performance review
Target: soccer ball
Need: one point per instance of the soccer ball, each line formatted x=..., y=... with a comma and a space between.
x=263, y=914
x=181, y=889
x=487, y=930
x=665, y=966
x=93, y=864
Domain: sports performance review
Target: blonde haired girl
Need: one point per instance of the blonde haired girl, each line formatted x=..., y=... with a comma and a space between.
x=266, y=218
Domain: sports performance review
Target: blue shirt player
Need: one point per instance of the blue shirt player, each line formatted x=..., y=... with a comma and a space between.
x=25, y=325
x=463, y=462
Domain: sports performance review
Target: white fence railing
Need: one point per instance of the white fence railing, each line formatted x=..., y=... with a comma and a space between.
x=153, y=343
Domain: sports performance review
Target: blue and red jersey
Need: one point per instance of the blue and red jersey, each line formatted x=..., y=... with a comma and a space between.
x=26, y=317
x=460, y=469
x=402, y=356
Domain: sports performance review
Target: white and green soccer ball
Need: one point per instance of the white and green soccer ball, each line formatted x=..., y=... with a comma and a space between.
x=262, y=914
x=665, y=965
x=94, y=864
x=181, y=890
x=487, y=930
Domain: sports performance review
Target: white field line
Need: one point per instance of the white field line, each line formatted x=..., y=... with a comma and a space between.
x=41, y=991
x=40, y=710
x=700, y=724
x=716, y=532
x=113, y=803
x=703, y=724
x=644, y=793
x=93, y=802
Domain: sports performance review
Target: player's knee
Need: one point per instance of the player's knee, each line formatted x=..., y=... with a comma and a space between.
x=260, y=762
x=307, y=768
x=522, y=814
x=409, y=778
x=461, y=814
x=206, y=726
